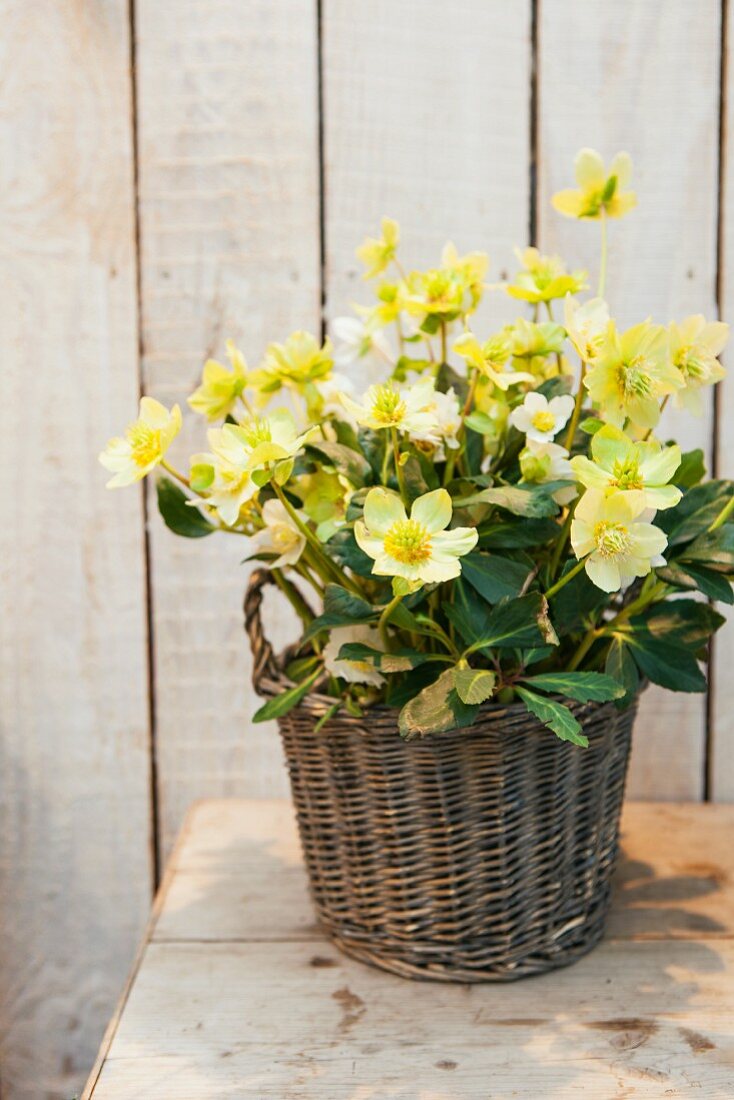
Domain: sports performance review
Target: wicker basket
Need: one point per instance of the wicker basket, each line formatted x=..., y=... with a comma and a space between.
x=481, y=855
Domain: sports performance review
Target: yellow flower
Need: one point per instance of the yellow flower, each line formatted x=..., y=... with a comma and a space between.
x=301, y=360
x=141, y=449
x=694, y=349
x=471, y=269
x=537, y=347
x=600, y=191
x=609, y=532
x=619, y=464
x=586, y=325
x=377, y=252
x=385, y=406
x=279, y=536
x=265, y=444
x=220, y=387
x=543, y=278
x=490, y=359
x=631, y=373
x=221, y=476
x=418, y=549
x=354, y=672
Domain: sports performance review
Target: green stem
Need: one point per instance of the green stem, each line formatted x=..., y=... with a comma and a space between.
x=576, y=415
x=451, y=460
x=399, y=473
x=384, y=619
x=561, y=544
x=663, y=403
x=603, y=260
x=443, y=342
x=587, y=642
x=565, y=579
x=337, y=574
x=723, y=515
x=175, y=473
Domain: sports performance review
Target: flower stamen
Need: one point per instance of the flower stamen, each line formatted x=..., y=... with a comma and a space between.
x=408, y=542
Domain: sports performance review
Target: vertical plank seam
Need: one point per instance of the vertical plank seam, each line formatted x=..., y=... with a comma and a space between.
x=154, y=828
x=708, y=778
x=533, y=126
x=320, y=161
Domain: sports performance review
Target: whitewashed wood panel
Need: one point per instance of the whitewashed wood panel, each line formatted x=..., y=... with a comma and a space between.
x=721, y=744
x=229, y=202
x=427, y=120
x=75, y=856
x=642, y=76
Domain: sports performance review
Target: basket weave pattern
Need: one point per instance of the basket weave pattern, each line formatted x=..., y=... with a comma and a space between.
x=480, y=855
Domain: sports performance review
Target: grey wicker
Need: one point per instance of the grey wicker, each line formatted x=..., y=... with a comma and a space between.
x=480, y=855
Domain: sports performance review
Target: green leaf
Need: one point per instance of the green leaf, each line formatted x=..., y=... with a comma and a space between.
x=714, y=549
x=436, y=709
x=591, y=425
x=712, y=584
x=494, y=576
x=474, y=685
x=511, y=624
x=480, y=422
x=516, y=534
x=287, y=700
x=669, y=665
x=586, y=687
x=344, y=548
x=695, y=512
x=685, y=622
x=621, y=667
x=554, y=715
x=576, y=602
x=522, y=500
x=179, y=516
x=341, y=608
x=327, y=716
x=400, y=661
x=372, y=445
x=345, y=461
x=692, y=469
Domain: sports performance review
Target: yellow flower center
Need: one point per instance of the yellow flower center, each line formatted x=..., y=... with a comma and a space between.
x=626, y=473
x=408, y=542
x=544, y=420
x=634, y=379
x=256, y=431
x=145, y=443
x=388, y=406
x=612, y=539
x=691, y=364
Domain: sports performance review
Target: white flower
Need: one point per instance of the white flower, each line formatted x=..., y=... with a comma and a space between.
x=359, y=339
x=446, y=413
x=586, y=325
x=279, y=536
x=543, y=462
x=540, y=418
x=354, y=672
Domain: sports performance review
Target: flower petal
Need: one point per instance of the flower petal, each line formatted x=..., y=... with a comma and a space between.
x=381, y=510
x=604, y=573
x=433, y=510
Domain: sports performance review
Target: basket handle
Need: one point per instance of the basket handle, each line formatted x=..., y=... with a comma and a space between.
x=263, y=659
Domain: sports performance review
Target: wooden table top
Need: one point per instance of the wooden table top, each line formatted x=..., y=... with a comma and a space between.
x=236, y=993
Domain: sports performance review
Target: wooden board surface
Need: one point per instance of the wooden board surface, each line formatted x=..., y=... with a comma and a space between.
x=229, y=203
x=721, y=762
x=627, y=76
x=238, y=995
x=75, y=866
x=427, y=120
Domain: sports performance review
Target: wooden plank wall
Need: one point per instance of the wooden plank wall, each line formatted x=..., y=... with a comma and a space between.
x=178, y=172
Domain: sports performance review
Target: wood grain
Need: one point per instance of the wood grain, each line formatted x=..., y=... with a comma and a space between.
x=628, y=77
x=721, y=740
x=75, y=856
x=426, y=119
x=229, y=202
x=218, y=1013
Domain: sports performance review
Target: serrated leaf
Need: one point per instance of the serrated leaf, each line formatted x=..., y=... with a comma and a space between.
x=621, y=667
x=474, y=685
x=688, y=577
x=555, y=716
x=341, y=608
x=586, y=687
x=494, y=576
x=400, y=661
x=533, y=501
x=287, y=700
x=713, y=549
x=351, y=464
x=516, y=534
x=695, y=512
x=178, y=515
x=436, y=709
x=512, y=624
x=671, y=666
x=689, y=623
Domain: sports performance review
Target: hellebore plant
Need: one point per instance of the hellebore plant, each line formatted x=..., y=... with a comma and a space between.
x=497, y=519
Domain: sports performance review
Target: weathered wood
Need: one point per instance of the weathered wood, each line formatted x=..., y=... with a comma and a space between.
x=721, y=738
x=426, y=119
x=230, y=247
x=628, y=77
x=261, y=1011
x=75, y=859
